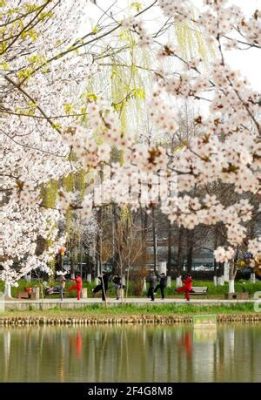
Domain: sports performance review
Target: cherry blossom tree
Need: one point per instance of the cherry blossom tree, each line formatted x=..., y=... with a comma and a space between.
x=44, y=97
x=51, y=126
x=34, y=83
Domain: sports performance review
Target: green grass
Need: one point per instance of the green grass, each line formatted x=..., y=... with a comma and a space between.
x=100, y=310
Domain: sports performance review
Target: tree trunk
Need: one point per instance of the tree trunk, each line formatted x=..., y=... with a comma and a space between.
x=169, y=249
x=179, y=255
x=154, y=238
x=178, y=281
x=232, y=275
x=215, y=246
x=226, y=272
x=220, y=269
x=231, y=285
x=220, y=280
x=98, y=243
x=7, y=290
x=190, y=245
x=114, y=224
x=144, y=224
x=215, y=273
x=144, y=285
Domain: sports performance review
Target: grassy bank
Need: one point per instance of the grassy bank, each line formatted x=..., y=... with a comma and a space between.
x=100, y=310
x=130, y=313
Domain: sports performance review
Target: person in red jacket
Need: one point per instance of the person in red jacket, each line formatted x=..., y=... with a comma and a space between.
x=77, y=286
x=187, y=287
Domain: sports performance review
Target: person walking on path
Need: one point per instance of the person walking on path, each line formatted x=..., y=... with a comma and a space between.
x=77, y=286
x=161, y=285
x=187, y=287
x=62, y=286
x=103, y=285
x=118, y=285
x=152, y=280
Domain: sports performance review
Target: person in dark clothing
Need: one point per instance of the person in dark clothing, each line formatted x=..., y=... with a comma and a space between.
x=103, y=285
x=152, y=280
x=118, y=285
x=161, y=285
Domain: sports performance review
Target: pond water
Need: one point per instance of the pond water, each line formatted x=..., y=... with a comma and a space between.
x=229, y=353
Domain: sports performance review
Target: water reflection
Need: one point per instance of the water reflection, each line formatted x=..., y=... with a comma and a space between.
x=76, y=343
x=187, y=343
x=131, y=354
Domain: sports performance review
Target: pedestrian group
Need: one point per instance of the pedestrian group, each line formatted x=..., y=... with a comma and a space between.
x=155, y=282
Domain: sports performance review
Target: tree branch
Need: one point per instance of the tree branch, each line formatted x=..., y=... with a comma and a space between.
x=20, y=89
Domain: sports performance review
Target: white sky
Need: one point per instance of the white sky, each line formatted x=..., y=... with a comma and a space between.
x=247, y=61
